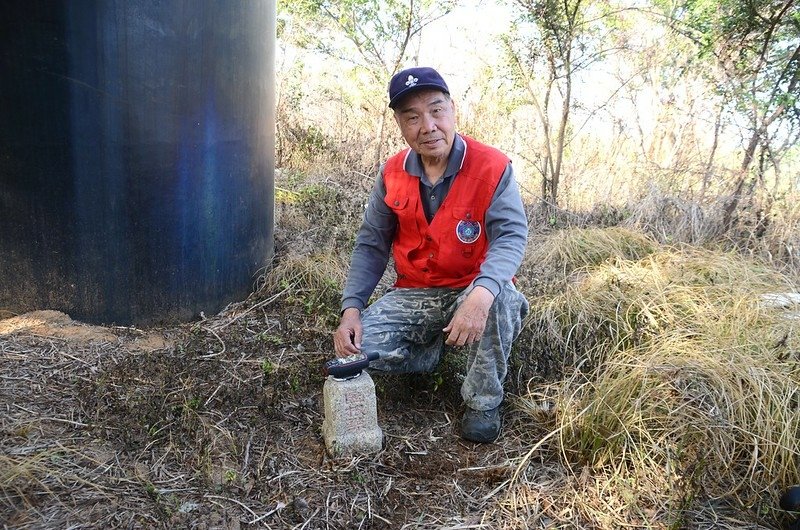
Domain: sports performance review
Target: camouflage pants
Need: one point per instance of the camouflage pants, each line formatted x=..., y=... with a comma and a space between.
x=405, y=328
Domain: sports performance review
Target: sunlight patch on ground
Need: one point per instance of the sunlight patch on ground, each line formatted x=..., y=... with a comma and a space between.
x=56, y=324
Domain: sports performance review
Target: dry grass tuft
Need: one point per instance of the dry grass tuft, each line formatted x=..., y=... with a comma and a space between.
x=563, y=251
x=673, y=219
x=766, y=226
x=315, y=281
x=21, y=476
x=625, y=303
x=550, y=258
x=685, y=386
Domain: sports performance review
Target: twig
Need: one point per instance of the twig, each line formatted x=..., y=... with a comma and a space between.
x=211, y=355
x=65, y=354
x=260, y=304
x=279, y=506
x=69, y=422
x=246, y=461
x=214, y=393
x=273, y=479
x=310, y=518
x=209, y=496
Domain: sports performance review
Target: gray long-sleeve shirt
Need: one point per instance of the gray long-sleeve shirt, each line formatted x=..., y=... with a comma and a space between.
x=506, y=229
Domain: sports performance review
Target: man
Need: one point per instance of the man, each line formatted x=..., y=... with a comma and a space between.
x=449, y=211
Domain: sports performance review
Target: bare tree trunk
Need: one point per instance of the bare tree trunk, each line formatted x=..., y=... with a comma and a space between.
x=562, y=130
x=759, y=134
x=709, y=171
x=730, y=208
x=378, y=158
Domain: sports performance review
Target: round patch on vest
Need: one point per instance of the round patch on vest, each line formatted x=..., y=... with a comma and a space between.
x=468, y=231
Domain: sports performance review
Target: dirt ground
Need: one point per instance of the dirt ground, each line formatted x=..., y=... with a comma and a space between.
x=217, y=424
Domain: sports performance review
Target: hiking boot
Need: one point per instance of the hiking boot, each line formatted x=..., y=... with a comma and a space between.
x=481, y=426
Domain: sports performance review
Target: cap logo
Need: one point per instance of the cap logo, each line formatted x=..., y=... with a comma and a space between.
x=412, y=79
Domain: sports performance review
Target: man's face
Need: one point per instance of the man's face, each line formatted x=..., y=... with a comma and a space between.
x=427, y=121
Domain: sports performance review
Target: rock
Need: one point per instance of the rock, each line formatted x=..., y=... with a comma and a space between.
x=351, y=417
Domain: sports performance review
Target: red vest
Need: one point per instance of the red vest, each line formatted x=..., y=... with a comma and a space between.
x=449, y=251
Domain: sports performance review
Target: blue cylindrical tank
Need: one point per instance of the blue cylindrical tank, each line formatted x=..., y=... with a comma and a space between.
x=136, y=156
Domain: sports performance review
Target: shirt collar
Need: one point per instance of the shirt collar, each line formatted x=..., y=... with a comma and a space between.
x=413, y=162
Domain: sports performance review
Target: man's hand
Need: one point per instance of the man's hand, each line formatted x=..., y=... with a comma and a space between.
x=469, y=320
x=347, y=337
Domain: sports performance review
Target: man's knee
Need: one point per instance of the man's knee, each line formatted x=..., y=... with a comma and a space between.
x=509, y=309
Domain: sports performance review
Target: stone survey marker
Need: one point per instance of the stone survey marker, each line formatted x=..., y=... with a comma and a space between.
x=351, y=418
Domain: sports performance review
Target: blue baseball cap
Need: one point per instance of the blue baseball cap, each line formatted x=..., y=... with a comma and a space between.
x=413, y=79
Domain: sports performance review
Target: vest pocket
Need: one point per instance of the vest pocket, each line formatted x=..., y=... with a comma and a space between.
x=397, y=203
x=465, y=213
